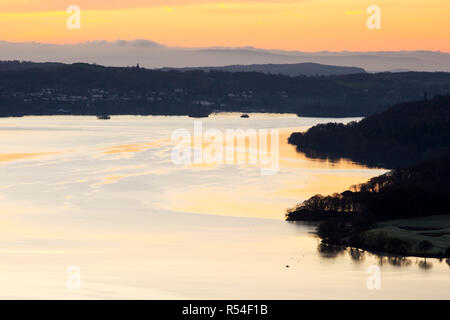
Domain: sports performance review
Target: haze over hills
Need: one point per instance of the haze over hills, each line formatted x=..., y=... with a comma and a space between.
x=291, y=69
x=150, y=54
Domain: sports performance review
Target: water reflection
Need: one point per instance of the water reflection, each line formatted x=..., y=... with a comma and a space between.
x=333, y=158
x=399, y=261
x=356, y=254
x=141, y=227
x=330, y=251
x=424, y=264
x=9, y=157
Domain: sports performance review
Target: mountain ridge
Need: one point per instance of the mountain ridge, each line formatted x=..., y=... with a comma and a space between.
x=151, y=54
x=292, y=69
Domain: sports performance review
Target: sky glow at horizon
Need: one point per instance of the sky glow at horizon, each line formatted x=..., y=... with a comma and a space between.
x=305, y=25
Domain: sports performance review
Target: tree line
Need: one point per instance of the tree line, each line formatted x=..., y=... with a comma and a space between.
x=420, y=190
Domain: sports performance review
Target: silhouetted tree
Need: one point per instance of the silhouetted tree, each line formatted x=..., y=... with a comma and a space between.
x=397, y=246
x=425, y=246
x=381, y=240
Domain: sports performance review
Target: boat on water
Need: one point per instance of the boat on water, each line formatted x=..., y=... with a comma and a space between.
x=103, y=117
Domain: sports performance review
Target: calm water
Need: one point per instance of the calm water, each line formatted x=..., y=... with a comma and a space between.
x=105, y=196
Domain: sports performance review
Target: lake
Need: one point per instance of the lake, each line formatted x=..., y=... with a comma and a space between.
x=97, y=209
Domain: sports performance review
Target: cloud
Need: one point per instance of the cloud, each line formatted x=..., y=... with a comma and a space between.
x=137, y=43
x=144, y=43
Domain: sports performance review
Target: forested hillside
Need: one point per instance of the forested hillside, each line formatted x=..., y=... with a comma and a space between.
x=92, y=89
x=402, y=135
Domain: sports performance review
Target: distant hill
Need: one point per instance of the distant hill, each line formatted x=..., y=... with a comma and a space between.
x=402, y=135
x=15, y=65
x=89, y=89
x=295, y=69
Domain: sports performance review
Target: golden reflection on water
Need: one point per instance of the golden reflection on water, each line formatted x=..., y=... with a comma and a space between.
x=135, y=147
x=322, y=183
x=239, y=202
x=8, y=157
x=289, y=157
x=270, y=197
x=268, y=200
x=51, y=218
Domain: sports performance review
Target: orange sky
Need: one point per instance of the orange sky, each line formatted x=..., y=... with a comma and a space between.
x=306, y=25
